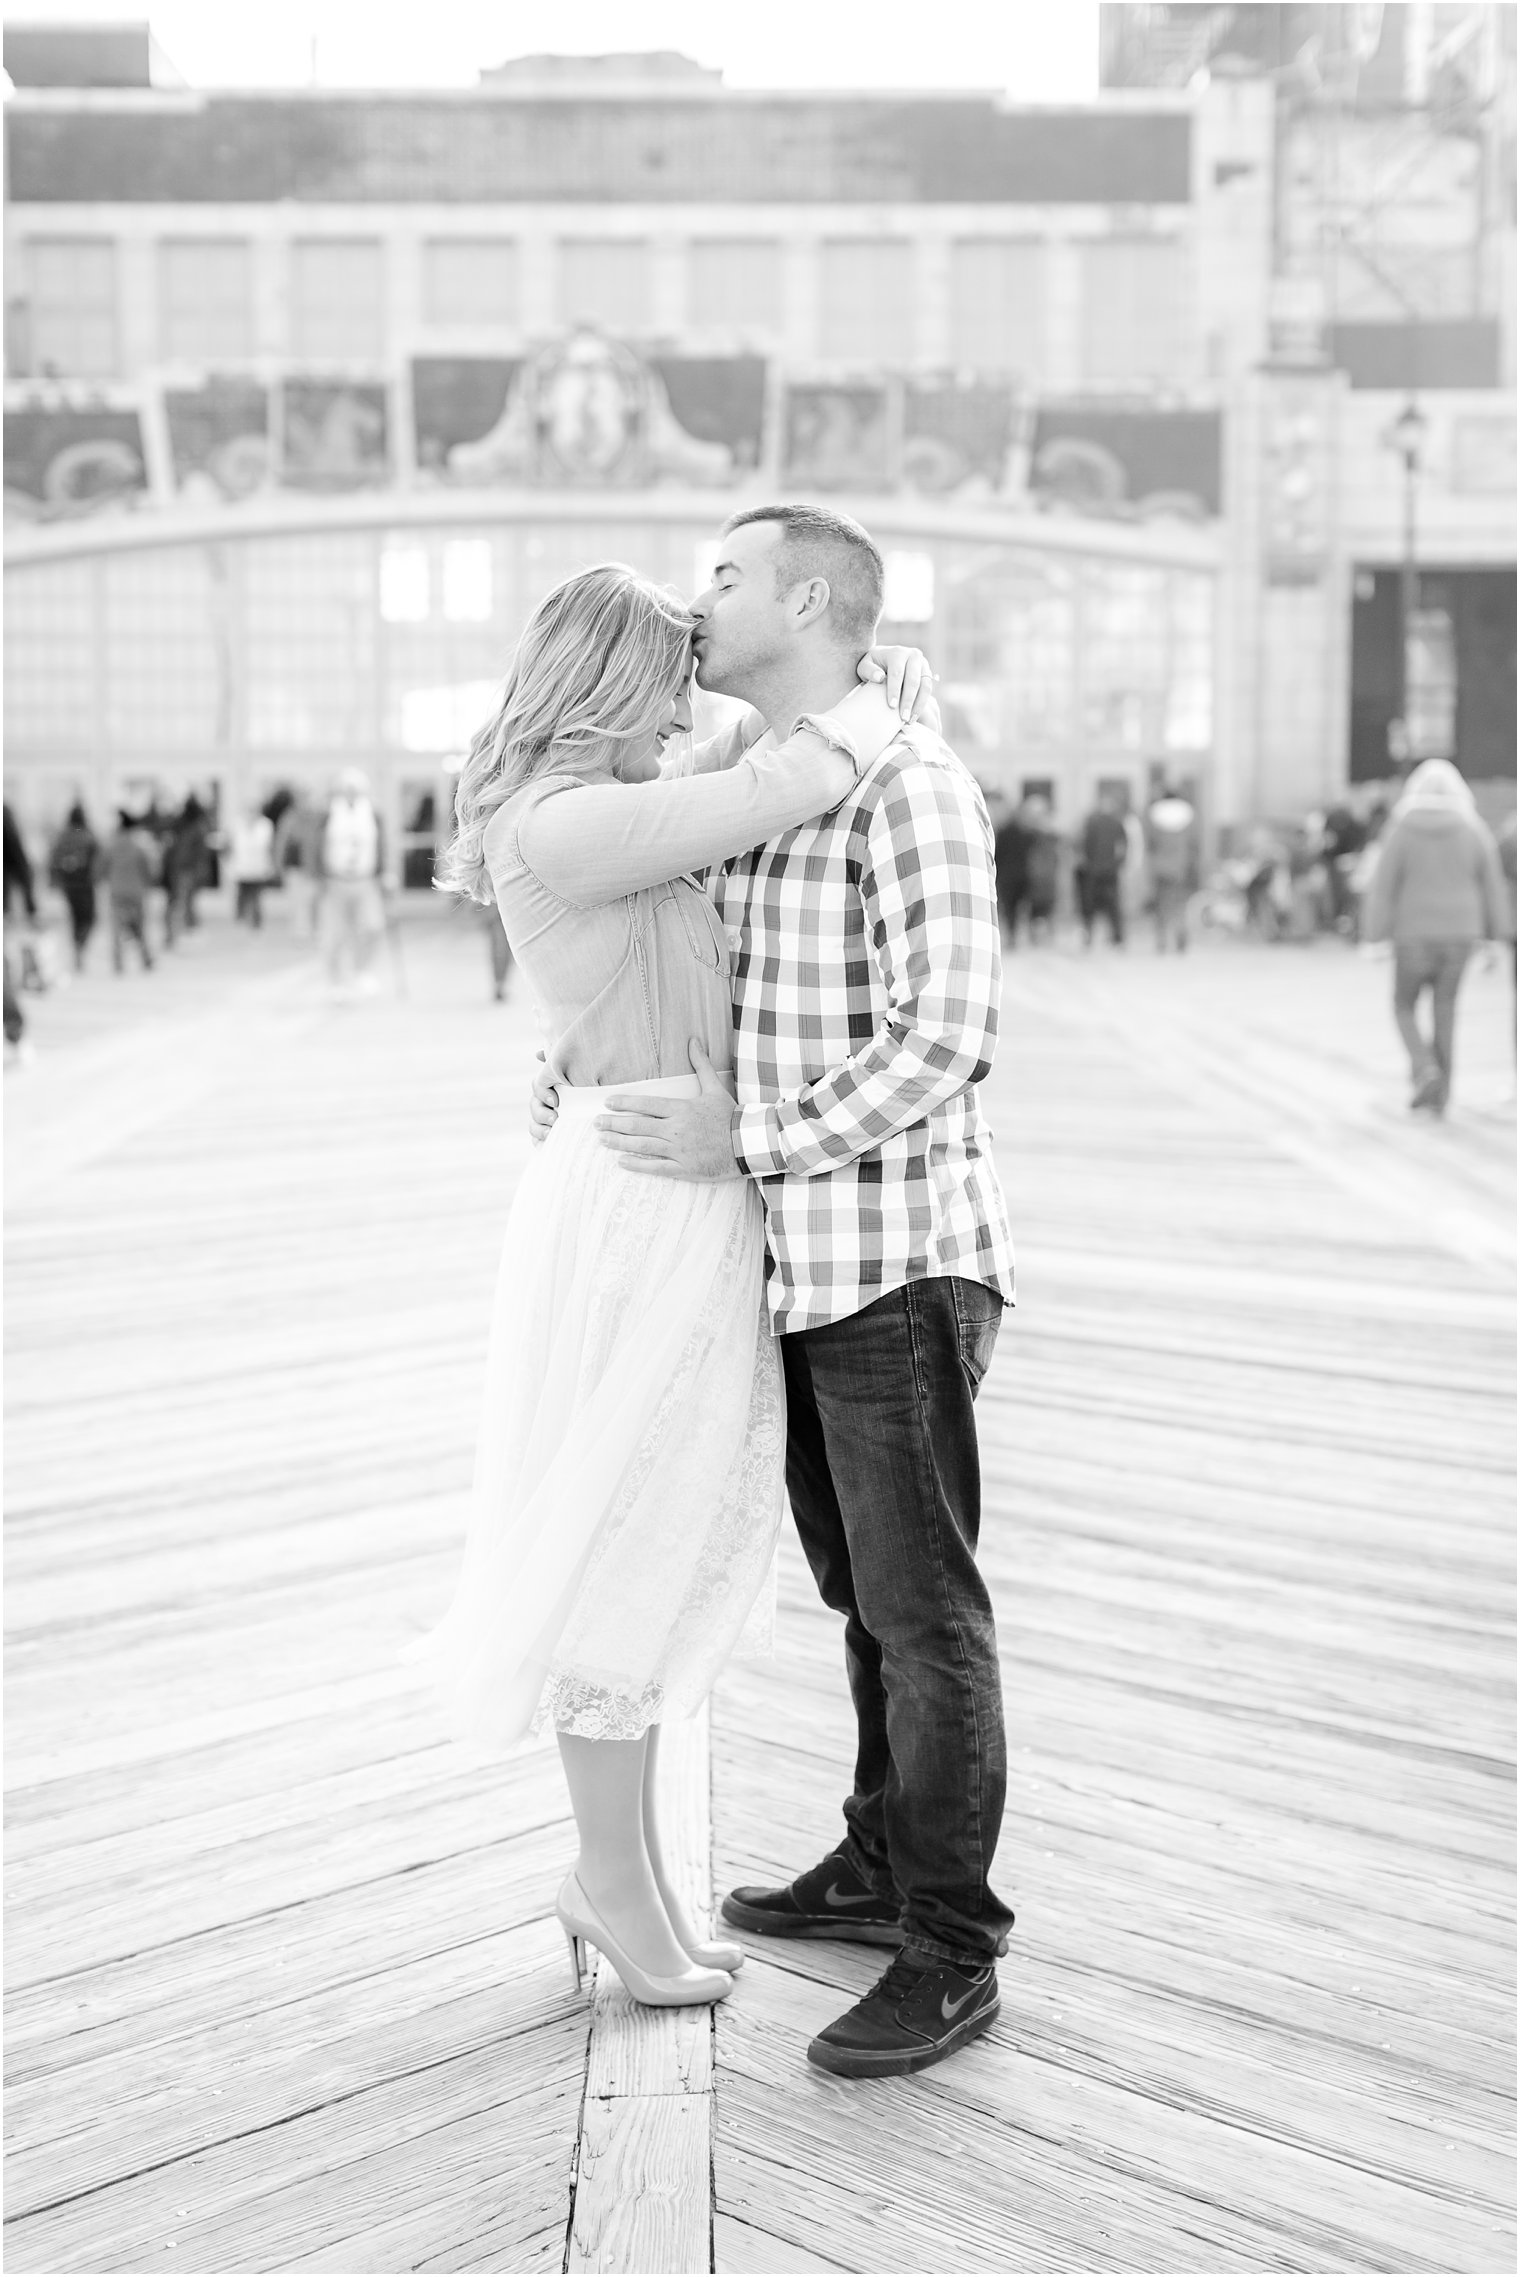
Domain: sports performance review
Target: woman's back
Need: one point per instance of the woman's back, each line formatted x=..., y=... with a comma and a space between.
x=1437, y=878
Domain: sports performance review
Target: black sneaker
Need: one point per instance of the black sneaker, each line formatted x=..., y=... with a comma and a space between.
x=829, y=1900
x=920, y=2011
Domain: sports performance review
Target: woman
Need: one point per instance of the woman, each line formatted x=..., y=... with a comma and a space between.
x=1436, y=892
x=252, y=864
x=75, y=870
x=627, y=1493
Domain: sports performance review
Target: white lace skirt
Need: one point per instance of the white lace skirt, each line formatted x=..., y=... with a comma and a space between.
x=628, y=1479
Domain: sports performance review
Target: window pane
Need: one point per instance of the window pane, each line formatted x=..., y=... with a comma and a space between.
x=736, y=280
x=74, y=306
x=205, y=298
x=403, y=583
x=336, y=298
x=605, y=280
x=469, y=280
x=1134, y=310
x=997, y=304
x=866, y=299
x=467, y=580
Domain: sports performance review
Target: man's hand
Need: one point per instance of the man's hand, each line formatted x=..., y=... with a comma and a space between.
x=909, y=684
x=674, y=1138
x=543, y=1106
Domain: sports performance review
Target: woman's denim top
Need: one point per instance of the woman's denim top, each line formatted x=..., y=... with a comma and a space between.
x=598, y=889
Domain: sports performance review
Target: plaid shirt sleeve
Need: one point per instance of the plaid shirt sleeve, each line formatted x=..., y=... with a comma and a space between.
x=927, y=888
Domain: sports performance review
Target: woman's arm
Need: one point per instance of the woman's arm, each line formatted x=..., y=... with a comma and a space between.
x=592, y=843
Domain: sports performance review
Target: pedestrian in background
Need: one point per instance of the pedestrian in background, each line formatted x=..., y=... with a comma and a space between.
x=1010, y=849
x=1103, y=853
x=129, y=874
x=251, y=861
x=1042, y=865
x=20, y=902
x=187, y=868
x=75, y=869
x=1506, y=845
x=1171, y=853
x=298, y=862
x=353, y=876
x=1438, y=891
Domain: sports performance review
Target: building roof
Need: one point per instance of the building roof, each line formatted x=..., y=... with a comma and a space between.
x=478, y=147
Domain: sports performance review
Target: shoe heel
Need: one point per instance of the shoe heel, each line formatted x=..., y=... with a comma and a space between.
x=577, y=1949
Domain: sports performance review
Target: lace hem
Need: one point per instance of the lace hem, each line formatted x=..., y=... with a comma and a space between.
x=592, y=1711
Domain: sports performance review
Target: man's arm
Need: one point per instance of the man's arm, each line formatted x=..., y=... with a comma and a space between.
x=931, y=912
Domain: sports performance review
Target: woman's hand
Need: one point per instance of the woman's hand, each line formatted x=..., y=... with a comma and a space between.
x=908, y=679
x=543, y=1104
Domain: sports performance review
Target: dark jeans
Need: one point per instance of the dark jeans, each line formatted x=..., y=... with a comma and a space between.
x=1438, y=966
x=82, y=913
x=885, y=1485
x=1100, y=898
x=250, y=902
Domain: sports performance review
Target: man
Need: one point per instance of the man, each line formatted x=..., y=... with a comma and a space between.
x=866, y=975
x=1104, y=852
x=1171, y=851
x=351, y=867
x=129, y=874
x=20, y=888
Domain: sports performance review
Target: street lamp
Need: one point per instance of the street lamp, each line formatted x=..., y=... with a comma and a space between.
x=1407, y=437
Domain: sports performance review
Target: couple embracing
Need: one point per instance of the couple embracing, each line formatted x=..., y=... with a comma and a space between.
x=762, y=1246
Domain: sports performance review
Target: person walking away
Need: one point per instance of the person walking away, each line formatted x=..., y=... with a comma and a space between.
x=1438, y=891
x=1010, y=848
x=353, y=875
x=129, y=874
x=20, y=902
x=1103, y=853
x=75, y=870
x=298, y=861
x=1171, y=849
x=251, y=859
x=1042, y=866
x=187, y=869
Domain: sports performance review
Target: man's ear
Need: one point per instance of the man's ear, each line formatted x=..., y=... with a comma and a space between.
x=808, y=601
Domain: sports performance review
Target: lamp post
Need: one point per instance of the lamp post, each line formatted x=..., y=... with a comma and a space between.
x=1407, y=437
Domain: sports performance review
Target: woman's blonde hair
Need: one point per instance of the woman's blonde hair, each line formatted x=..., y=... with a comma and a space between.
x=602, y=655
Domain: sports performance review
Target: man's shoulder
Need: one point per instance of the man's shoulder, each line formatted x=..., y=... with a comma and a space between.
x=916, y=760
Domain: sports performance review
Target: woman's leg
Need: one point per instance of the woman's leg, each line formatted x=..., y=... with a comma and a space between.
x=1451, y=965
x=1409, y=980
x=706, y=1954
x=606, y=1782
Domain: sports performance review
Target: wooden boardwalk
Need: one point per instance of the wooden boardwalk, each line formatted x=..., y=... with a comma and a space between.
x=284, y=1991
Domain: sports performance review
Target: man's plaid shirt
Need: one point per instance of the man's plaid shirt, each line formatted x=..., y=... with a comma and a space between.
x=866, y=975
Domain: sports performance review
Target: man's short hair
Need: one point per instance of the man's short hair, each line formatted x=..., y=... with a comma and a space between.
x=816, y=542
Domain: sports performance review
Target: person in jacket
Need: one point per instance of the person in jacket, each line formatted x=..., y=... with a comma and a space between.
x=187, y=868
x=1042, y=865
x=1102, y=853
x=75, y=870
x=1438, y=890
x=129, y=873
x=298, y=861
x=251, y=860
x=354, y=878
x=1010, y=846
x=1171, y=853
x=20, y=893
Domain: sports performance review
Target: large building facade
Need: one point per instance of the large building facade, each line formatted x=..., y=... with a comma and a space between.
x=310, y=396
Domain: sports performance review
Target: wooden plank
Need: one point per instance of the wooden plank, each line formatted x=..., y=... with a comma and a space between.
x=642, y=2197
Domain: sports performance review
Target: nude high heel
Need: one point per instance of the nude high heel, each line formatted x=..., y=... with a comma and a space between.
x=584, y=1926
